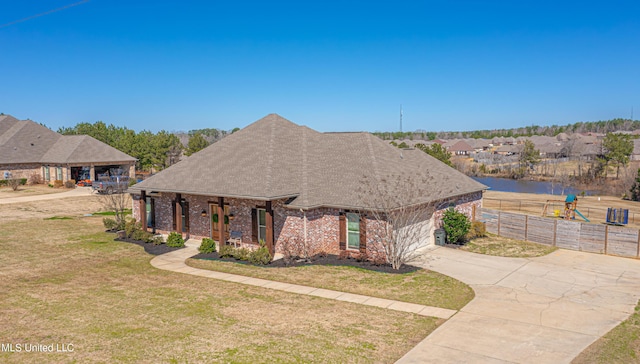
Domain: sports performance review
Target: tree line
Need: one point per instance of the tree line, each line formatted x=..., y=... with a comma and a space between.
x=605, y=126
x=154, y=151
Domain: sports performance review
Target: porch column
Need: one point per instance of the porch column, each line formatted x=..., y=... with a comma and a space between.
x=143, y=209
x=178, y=212
x=269, y=228
x=92, y=173
x=222, y=239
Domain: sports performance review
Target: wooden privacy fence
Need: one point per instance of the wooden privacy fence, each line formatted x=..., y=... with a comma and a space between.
x=574, y=235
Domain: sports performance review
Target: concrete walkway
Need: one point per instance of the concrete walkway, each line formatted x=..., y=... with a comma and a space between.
x=78, y=191
x=537, y=310
x=175, y=262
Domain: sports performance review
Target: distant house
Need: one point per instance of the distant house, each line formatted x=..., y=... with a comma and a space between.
x=28, y=148
x=461, y=148
x=281, y=182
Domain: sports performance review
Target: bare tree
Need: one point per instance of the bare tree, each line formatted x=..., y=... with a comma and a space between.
x=118, y=203
x=399, y=220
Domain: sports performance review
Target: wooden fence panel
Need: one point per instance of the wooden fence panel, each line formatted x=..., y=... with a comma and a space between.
x=513, y=225
x=592, y=238
x=568, y=234
x=490, y=219
x=622, y=241
x=541, y=230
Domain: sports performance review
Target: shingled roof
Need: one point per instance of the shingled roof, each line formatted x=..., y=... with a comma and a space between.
x=25, y=141
x=274, y=158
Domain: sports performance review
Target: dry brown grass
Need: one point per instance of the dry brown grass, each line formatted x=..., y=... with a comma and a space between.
x=6, y=192
x=506, y=247
x=593, y=207
x=66, y=281
x=58, y=207
x=422, y=286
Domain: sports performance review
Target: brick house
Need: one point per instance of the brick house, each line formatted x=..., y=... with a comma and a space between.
x=28, y=148
x=281, y=182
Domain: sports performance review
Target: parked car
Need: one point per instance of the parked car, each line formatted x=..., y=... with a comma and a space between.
x=111, y=184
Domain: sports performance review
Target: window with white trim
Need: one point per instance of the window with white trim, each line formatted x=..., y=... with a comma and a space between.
x=262, y=224
x=353, y=230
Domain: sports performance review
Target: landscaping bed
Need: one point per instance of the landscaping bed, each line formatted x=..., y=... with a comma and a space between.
x=150, y=247
x=324, y=260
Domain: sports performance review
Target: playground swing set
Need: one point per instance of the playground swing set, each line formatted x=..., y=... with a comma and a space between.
x=614, y=216
x=570, y=208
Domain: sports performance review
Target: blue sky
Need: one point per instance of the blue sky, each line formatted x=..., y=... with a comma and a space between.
x=330, y=65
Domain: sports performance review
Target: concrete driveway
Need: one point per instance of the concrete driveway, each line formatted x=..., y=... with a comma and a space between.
x=530, y=310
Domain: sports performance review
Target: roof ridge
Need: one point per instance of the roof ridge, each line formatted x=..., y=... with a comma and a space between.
x=270, y=151
x=13, y=130
x=374, y=160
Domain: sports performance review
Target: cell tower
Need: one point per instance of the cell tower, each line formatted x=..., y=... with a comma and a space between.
x=401, y=118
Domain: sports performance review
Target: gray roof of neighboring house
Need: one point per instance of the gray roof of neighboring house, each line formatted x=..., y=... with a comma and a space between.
x=274, y=158
x=24, y=141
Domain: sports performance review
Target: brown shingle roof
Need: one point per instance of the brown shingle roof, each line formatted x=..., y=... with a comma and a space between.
x=24, y=141
x=275, y=158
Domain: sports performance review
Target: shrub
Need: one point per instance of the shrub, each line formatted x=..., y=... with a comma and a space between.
x=14, y=183
x=35, y=179
x=207, y=246
x=477, y=230
x=156, y=240
x=226, y=251
x=131, y=226
x=23, y=181
x=110, y=224
x=175, y=240
x=260, y=255
x=142, y=235
x=242, y=254
x=71, y=183
x=58, y=183
x=455, y=224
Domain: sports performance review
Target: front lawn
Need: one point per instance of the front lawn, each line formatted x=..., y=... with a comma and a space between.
x=67, y=282
x=421, y=286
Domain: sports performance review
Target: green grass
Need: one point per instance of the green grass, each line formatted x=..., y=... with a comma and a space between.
x=422, y=286
x=66, y=281
x=59, y=218
x=620, y=345
x=110, y=213
x=506, y=247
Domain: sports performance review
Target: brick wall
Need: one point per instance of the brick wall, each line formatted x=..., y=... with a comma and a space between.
x=21, y=170
x=463, y=203
x=322, y=224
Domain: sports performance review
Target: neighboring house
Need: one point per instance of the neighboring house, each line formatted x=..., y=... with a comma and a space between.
x=285, y=184
x=28, y=148
x=461, y=148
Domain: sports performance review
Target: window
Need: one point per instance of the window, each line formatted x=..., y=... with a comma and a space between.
x=47, y=177
x=59, y=173
x=150, y=208
x=262, y=225
x=353, y=231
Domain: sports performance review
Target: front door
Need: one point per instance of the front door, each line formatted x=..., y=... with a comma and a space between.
x=215, y=233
